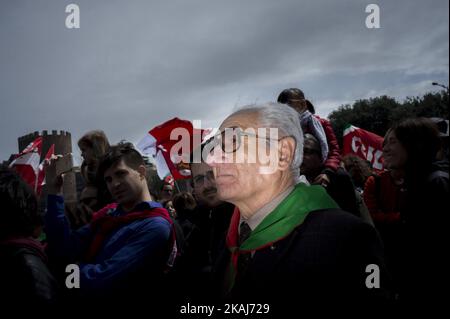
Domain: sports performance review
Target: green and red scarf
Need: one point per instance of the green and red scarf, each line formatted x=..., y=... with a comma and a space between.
x=287, y=216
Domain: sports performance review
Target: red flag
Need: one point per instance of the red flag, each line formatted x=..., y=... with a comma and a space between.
x=364, y=144
x=171, y=144
x=36, y=144
x=169, y=180
x=41, y=175
x=26, y=164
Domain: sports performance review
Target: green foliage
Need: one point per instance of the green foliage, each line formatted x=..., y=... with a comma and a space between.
x=378, y=114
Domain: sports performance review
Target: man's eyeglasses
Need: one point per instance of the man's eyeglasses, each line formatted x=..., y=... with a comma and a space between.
x=230, y=139
x=200, y=179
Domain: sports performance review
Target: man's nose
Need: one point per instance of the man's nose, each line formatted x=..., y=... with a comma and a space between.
x=214, y=157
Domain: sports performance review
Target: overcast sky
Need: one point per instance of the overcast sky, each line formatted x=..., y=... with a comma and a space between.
x=135, y=64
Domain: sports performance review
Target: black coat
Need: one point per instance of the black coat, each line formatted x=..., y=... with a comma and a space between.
x=323, y=261
x=25, y=281
x=205, y=233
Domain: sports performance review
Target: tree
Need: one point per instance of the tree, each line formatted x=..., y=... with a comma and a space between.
x=378, y=114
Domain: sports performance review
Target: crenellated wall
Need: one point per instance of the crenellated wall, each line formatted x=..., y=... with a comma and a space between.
x=63, y=146
x=61, y=139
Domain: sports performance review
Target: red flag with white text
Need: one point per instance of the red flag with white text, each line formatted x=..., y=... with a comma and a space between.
x=363, y=144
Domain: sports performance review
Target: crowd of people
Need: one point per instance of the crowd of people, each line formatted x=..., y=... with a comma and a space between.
x=297, y=238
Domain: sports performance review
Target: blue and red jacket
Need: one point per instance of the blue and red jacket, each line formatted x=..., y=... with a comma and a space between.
x=114, y=246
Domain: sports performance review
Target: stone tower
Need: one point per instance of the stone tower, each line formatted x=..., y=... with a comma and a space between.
x=63, y=146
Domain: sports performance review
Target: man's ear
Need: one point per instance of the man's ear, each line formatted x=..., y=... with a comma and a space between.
x=286, y=152
x=142, y=171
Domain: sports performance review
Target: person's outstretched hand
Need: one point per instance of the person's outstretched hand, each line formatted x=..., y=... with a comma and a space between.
x=54, y=181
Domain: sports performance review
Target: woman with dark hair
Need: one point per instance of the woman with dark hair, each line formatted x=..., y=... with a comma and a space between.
x=410, y=147
x=24, y=276
x=93, y=145
x=320, y=128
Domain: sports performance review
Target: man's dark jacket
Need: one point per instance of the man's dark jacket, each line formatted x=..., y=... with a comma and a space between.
x=322, y=262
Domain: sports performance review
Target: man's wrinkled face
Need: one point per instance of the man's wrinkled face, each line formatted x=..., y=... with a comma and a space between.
x=239, y=180
x=124, y=183
x=205, y=189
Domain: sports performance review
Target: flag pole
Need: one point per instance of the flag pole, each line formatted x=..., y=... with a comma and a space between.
x=36, y=179
x=176, y=185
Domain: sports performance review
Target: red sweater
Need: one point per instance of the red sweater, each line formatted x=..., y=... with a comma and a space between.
x=383, y=200
x=334, y=155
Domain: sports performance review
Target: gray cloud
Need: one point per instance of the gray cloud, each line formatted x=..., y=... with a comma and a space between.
x=135, y=64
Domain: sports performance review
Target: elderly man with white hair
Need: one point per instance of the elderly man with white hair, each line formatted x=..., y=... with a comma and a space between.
x=288, y=243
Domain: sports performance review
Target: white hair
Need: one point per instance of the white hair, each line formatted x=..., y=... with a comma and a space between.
x=286, y=120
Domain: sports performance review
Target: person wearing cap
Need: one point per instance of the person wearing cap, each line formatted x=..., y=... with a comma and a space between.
x=318, y=127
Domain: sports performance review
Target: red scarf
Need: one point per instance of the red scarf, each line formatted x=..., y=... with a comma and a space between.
x=233, y=238
x=104, y=224
x=27, y=242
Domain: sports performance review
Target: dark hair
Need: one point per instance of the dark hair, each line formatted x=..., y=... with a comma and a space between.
x=184, y=203
x=420, y=138
x=122, y=151
x=19, y=212
x=292, y=93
